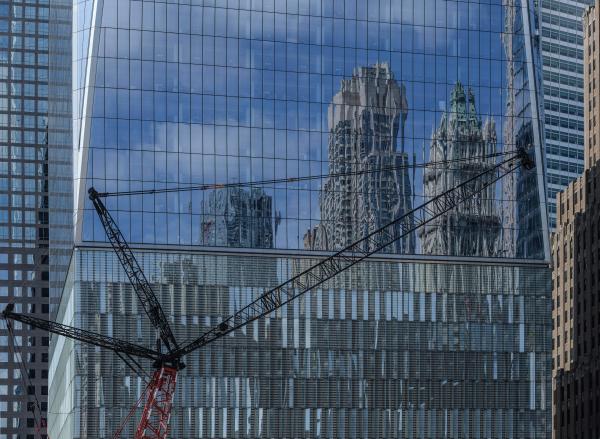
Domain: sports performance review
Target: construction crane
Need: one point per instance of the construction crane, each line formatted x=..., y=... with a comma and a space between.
x=168, y=362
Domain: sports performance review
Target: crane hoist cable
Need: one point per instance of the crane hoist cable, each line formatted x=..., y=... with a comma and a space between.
x=368, y=170
x=41, y=423
x=130, y=413
x=134, y=366
x=156, y=414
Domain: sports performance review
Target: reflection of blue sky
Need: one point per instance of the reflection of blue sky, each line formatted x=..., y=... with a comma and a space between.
x=257, y=106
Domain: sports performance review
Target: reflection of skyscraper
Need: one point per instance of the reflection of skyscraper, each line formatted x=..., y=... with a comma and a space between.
x=236, y=217
x=473, y=228
x=365, y=118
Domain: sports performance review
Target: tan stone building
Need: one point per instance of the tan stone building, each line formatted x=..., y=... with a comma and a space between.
x=576, y=271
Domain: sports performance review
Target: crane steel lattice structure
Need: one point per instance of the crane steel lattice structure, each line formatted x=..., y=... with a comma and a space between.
x=155, y=418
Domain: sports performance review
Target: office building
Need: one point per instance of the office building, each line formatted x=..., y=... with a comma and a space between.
x=461, y=148
x=366, y=120
x=408, y=344
x=576, y=382
x=24, y=214
x=562, y=55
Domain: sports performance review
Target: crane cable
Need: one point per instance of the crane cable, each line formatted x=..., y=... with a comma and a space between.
x=41, y=423
x=204, y=187
x=134, y=366
x=132, y=410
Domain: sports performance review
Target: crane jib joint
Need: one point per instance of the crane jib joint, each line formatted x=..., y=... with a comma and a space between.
x=526, y=161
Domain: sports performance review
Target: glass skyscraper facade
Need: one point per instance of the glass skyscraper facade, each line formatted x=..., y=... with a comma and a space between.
x=174, y=94
x=24, y=213
x=562, y=55
x=446, y=333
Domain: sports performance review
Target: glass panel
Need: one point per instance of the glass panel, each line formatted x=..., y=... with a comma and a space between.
x=376, y=117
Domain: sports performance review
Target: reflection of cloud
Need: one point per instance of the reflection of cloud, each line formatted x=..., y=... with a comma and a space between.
x=422, y=44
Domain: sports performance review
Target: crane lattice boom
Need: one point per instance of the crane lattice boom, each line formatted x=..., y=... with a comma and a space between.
x=134, y=272
x=157, y=410
x=359, y=251
x=89, y=337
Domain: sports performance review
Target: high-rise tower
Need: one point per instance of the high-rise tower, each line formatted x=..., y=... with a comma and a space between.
x=562, y=57
x=366, y=122
x=26, y=168
x=461, y=148
x=576, y=271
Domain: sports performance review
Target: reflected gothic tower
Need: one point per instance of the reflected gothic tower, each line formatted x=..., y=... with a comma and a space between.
x=366, y=121
x=473, y=227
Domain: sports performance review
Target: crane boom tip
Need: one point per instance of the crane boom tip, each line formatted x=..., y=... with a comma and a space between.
x=93, y=193
x=8, y=310
x=526, y=161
